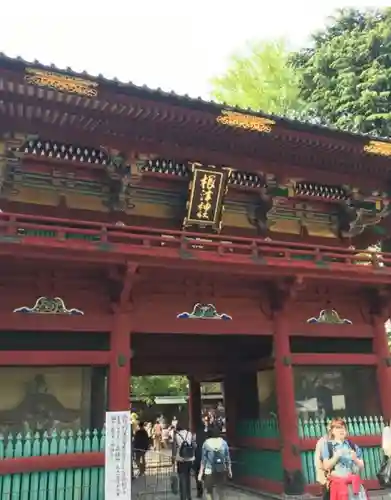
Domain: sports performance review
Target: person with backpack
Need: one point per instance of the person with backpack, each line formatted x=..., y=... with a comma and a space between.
x=215, y=464
x=342, y=459
x=384, y=474
x=183, y=454
x=321, y=473
x=202, y=434
x=386, y=440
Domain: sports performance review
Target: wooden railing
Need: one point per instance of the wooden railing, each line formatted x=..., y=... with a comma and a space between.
x=145, y=242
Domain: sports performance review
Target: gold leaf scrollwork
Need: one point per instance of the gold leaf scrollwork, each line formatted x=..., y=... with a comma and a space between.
x=61, y=83
x=247, y=122
x=378, y=148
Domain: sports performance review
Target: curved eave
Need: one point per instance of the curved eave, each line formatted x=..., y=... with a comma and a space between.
x=144, y=92
x=125, y=112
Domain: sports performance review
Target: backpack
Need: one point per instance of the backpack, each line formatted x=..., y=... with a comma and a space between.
x=218, y=460
x=320, y=472
x=186, y=449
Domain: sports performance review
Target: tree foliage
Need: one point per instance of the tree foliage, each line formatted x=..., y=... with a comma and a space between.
x=346, y=74
x=148, y=387
x=343, y=80
x=260, y=77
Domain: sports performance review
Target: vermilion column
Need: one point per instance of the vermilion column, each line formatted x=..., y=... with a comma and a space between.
x=194, y=404
x=291, y=460
x=381, y=349
x=119, y=370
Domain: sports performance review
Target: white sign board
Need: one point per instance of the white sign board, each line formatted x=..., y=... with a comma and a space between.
x=338, y=402
x=118, y=456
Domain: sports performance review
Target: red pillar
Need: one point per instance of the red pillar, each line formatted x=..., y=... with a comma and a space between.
x=119, y=370
x=194, y=404
x=381, y=349
x=291, y=460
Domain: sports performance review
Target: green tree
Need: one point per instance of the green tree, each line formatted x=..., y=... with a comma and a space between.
x=346, y=74
x=148, y=387
x=261, y=78
x=388, y=330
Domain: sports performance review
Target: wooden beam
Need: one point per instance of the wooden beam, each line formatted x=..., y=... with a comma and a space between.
x=89, y=323
x=156, y=257
x=128, y=140
x=334, y=359
x=54, y=358
x=21, y=465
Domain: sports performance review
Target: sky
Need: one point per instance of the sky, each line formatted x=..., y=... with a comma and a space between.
x=173, y=44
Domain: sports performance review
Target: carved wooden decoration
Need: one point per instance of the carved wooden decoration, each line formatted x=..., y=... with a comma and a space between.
x=61, y=83
x=48, y=305
x=204, y=311
x=378, y=148
x=119, y=172
x=329, y=316
x=247, y=122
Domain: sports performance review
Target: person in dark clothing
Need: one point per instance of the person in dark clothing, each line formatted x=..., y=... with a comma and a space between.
x=202, y=435
x=131, y=463
x=206, y=422
x=183, y=452
x=140, y=446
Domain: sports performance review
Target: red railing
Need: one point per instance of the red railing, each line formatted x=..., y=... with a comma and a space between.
x=144, y=242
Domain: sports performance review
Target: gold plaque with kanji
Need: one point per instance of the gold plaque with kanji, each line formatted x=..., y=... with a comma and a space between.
x=207, y=190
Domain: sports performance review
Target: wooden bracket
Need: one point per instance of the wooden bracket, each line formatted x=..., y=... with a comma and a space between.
x=129, y=280
x=283, y=293
x=379, y=301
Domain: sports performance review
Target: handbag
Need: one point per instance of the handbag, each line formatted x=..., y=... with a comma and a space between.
x=384, y=474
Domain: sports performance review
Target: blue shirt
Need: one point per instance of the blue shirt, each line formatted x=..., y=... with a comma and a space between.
x=208, y=449
x=345, y=464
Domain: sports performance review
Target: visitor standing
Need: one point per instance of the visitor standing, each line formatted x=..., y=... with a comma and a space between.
x=386, y=440
x=202, y=435
x=183, y=454
x=165, y=437
x=321, y=473
x=157, y=435
x=140, y=447
x=343, y=460
x=215, y=464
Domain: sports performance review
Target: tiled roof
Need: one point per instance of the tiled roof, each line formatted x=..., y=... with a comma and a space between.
x=185, y=101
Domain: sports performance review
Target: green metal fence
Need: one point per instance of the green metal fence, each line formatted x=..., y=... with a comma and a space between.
x=357, y=426
x=72, y=484
x=267, y=463
x=267, y=428
x=88, y=483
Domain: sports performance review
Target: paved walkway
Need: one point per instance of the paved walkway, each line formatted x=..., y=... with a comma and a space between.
x=145, y=490
x=155, y=485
